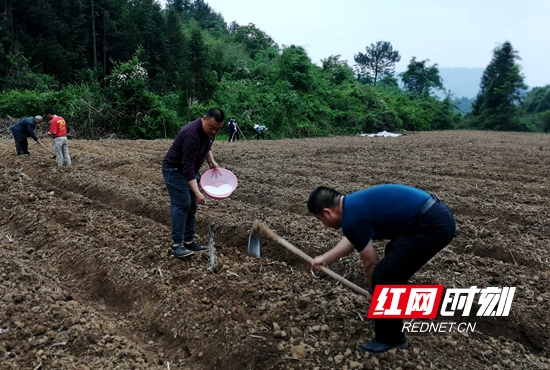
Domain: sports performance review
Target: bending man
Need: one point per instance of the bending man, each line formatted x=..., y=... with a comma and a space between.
x=417, y=225
x=22, y=130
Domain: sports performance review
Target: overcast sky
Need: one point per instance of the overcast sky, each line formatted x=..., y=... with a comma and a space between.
x=451, y=33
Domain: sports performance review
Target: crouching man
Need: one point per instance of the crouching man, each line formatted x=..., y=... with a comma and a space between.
x=417, y=225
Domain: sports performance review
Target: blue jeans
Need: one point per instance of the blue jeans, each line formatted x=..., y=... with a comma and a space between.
x=183, y=205
x=405, y=255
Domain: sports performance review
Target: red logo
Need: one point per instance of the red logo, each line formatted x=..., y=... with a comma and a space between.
x=405, y=301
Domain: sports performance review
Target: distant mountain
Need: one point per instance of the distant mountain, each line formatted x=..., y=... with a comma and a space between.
x=461, y=82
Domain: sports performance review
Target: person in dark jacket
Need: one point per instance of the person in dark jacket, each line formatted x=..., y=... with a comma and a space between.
x=180, y=169
x=232, y=130
x=24, y=129
x=417, y=225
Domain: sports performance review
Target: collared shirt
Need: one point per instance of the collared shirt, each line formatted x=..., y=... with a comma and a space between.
x=189, y=150
x=24, y=129
x=380, y=212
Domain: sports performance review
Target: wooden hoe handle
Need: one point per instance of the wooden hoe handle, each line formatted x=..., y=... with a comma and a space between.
x=259, y=225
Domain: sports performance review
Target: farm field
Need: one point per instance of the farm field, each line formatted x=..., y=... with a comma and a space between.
x=85, y=281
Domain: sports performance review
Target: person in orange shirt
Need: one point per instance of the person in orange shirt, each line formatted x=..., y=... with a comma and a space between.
x=58, y=131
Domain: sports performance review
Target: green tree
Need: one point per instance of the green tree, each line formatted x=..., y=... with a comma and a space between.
x=544, y=121
x=295, y=67
x=337, y=70
x=176, y=44
x=537, y=100
x=152, y=33
x=20, y=76
x=421, y=78
x=140, y=113
x=254, y=39
x=378, y=60
x=200, y=80
x=502, y=89
x=53, y=34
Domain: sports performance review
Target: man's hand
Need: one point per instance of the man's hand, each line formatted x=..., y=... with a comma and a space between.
x=213, y=165
x=201, y=199
x=319, y=261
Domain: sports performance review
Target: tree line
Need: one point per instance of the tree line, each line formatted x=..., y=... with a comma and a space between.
x=133, y=69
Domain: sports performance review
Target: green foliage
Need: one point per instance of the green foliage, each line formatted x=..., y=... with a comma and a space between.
x=199, y=12
x=537, y=100
x=462, y=105
x=137, y=71
x=378, y=60
x=294, y=67
x=20, y=76
x=544, y=121
x=200, y=80
x=502, y=89
x=140, y=113
x=23, y=103
x=420, y=78
x=192, y=113
x=337, y=71
x=253, y=39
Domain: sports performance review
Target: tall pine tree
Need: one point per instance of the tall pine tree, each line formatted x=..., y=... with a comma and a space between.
x=502, y=89
x=378, y=61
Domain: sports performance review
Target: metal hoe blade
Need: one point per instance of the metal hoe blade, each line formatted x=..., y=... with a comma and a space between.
x=254, y=244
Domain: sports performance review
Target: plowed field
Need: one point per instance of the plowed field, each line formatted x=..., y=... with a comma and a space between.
x=86, y=283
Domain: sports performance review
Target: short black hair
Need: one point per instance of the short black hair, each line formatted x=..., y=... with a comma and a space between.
x=322, y=197
x=50, y=111
x=215, y=113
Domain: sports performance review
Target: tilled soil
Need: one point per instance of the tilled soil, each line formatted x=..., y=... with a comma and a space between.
x=86, y=283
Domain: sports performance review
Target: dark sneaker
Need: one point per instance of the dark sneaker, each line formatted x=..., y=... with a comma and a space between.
x=195, y=247
x=375, y=347
x=181, y=252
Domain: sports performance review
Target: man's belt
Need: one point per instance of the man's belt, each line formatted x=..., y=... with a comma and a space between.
x=426, y=207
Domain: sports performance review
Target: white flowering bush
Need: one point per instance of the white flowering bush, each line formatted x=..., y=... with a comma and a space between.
x=137, y=72
x=140, y=113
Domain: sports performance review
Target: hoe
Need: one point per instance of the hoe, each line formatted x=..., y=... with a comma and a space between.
x=254, y=250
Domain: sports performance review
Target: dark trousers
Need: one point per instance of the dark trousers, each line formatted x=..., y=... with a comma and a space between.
x=405, y=255
x=183, y=206
x=232, y=135
x=21, y=146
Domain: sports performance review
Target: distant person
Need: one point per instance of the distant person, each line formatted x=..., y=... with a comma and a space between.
x=22, y=130
x=180, y=169
x=417, y=225
x=260, y=130
x=58, y=131
x=237, y=131
x=232, y=130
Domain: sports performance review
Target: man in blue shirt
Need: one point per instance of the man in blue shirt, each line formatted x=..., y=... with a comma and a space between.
x=260, y=130
x=417, y=225
x=23, y=130
x=180, y=169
